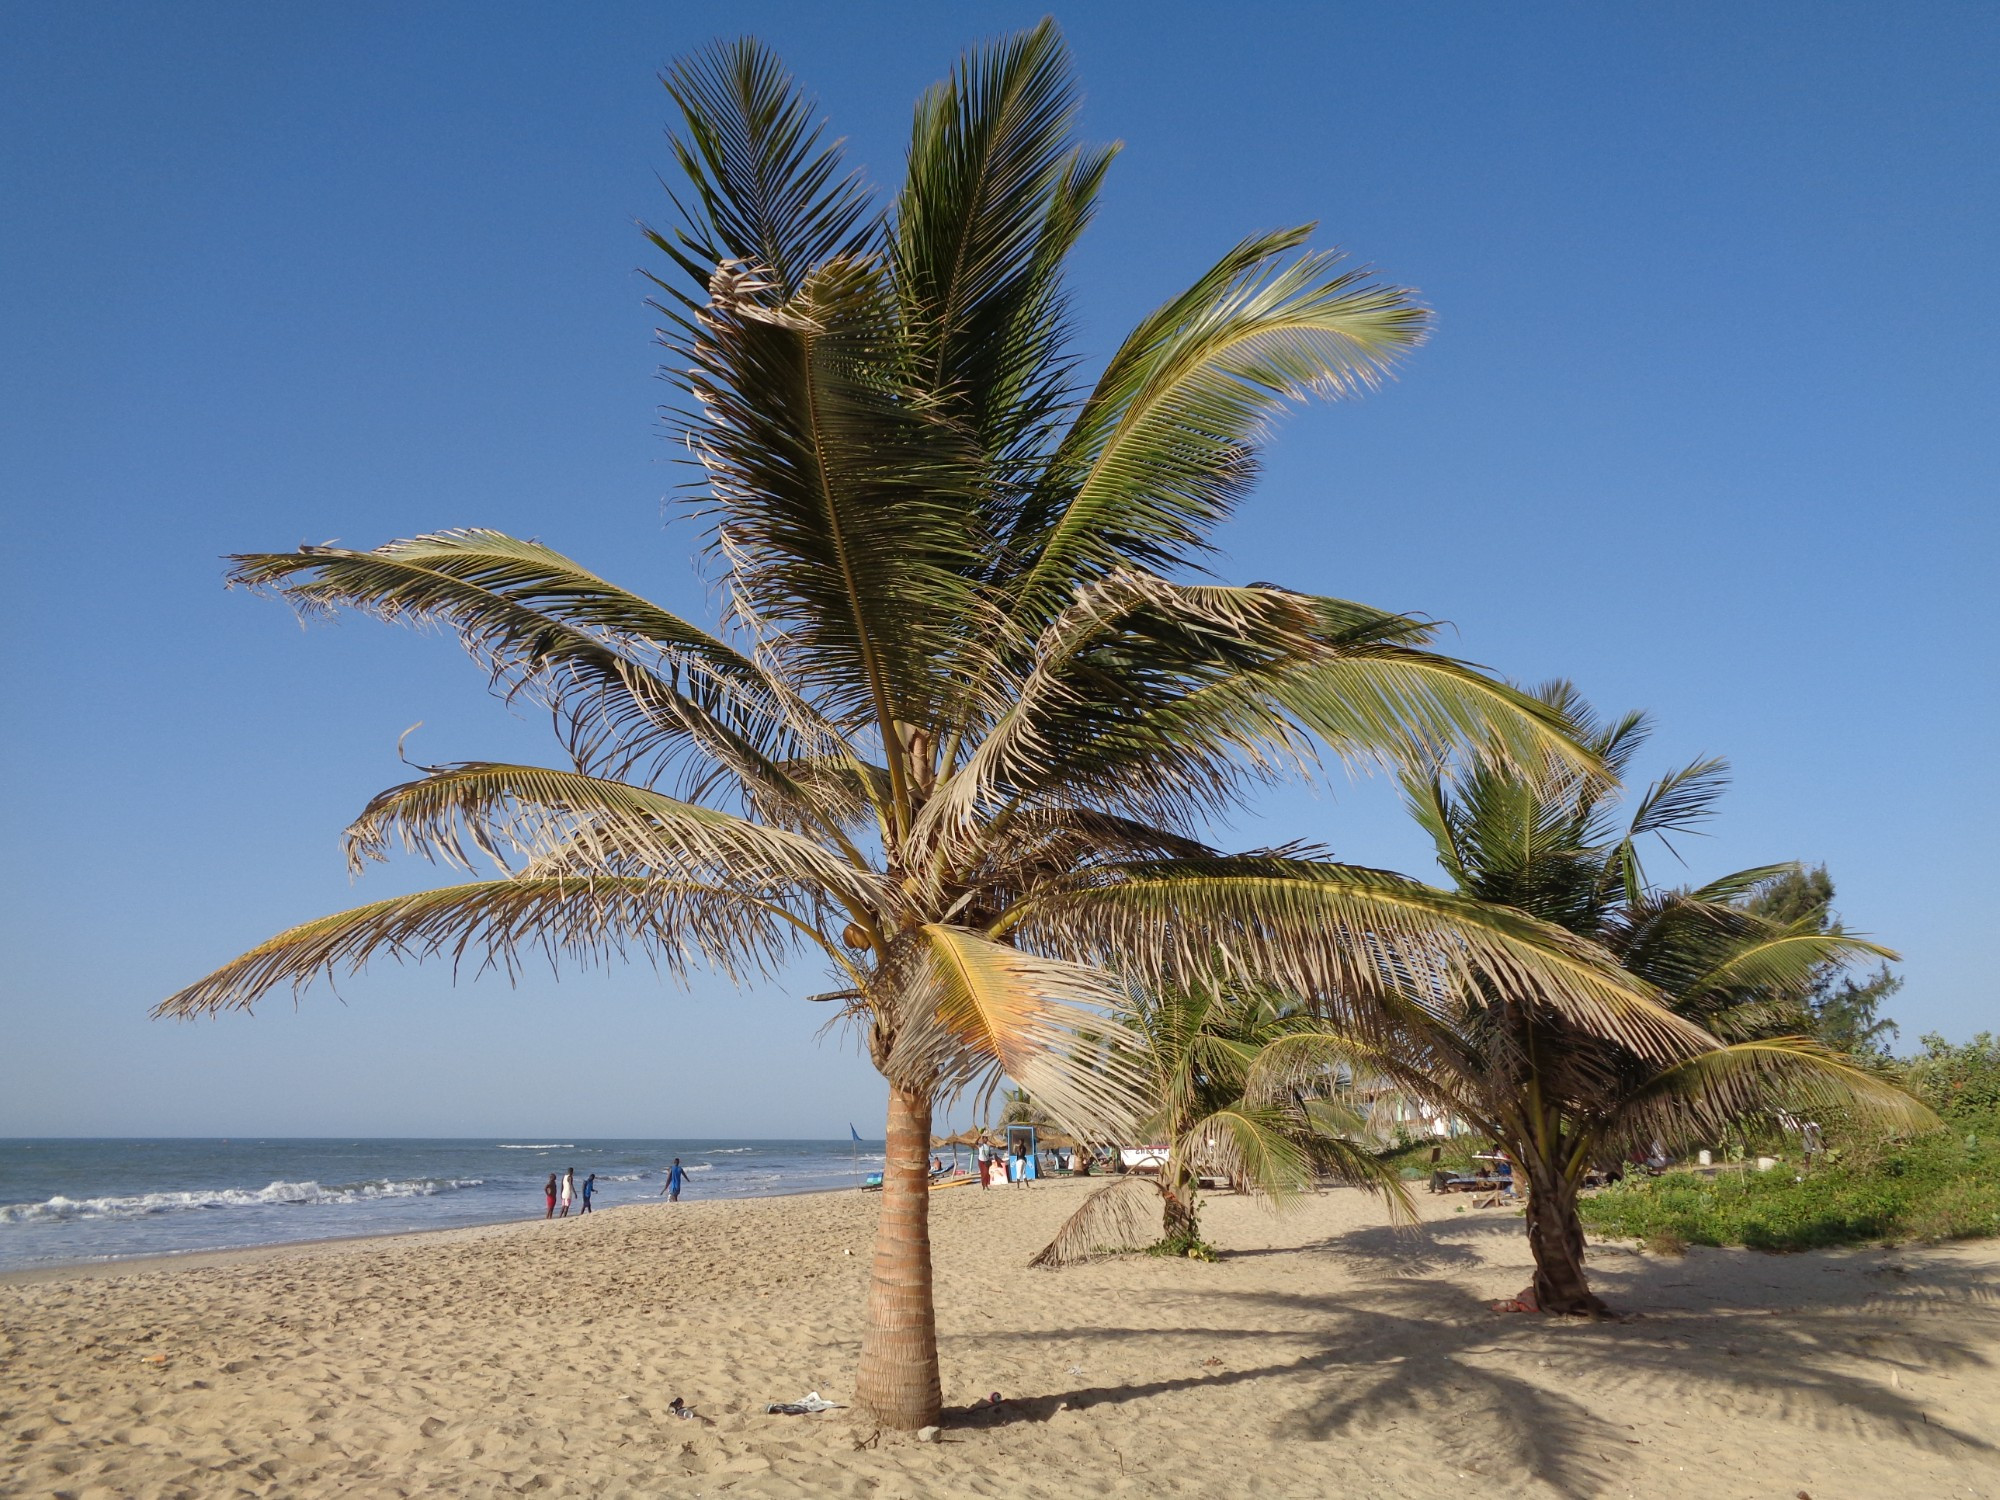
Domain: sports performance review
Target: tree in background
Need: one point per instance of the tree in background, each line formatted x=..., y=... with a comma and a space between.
x=1560, y=1095
x=1243, y=1086
x=1845, y=1011
x=966, y=719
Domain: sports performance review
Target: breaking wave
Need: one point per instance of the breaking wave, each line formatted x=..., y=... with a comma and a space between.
x=60, y=1209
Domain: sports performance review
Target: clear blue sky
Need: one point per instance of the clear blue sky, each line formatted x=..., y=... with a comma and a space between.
x=1708, y=424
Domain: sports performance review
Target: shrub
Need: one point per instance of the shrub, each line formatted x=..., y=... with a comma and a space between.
x=1962, y=1083
x=1945, y=1185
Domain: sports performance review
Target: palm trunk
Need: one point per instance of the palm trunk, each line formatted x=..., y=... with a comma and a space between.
x=1182, y=1216
x=898, y=1383
x=1555, y=1236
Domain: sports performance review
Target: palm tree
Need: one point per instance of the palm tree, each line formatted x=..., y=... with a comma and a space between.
x=1244, y=1087
x=965, y=716
x=1560, y=1096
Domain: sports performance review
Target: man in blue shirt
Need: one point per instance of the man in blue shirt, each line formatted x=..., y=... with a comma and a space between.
x=589, y=1186
x=675, y=1176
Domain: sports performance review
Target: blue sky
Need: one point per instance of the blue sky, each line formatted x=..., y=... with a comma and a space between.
x=1706, y=425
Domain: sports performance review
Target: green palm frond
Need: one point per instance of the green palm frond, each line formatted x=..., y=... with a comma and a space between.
x=1384, y=700
x=1734, y=886
x=1783, y=961
x=1308, y=1060
x=994, y=199
x=1164, y=445
x=769, y=190
x=1250, y=1146
x=1161, y=699
x=1683, y=799
x=1127, y=647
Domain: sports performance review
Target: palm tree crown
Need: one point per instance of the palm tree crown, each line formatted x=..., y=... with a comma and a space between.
x=969, y=710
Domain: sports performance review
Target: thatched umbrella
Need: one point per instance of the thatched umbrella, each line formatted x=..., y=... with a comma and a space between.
x=963, y=1138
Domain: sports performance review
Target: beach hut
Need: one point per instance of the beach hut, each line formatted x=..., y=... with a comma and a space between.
x=1023, y=1136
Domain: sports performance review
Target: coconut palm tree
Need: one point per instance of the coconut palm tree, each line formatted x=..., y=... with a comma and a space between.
x=1244, y=1086
x=1558, y=1095
x=967, y=713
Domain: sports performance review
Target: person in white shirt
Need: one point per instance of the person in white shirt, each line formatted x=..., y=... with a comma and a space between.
x=568, y=1192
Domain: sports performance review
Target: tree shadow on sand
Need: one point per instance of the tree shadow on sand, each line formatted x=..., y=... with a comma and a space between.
x=1510, y=1390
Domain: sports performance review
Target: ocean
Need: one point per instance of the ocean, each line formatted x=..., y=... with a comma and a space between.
x=63, y=1202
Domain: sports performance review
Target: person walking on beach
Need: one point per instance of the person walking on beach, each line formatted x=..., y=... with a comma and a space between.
x=550, y=1188
x=568, y=1192
x=675, y=1176
x=589, y=1187
x=985, y=1164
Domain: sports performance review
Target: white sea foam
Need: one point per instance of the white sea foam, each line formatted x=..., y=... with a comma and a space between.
x=60, y=1209
x=545, y=1146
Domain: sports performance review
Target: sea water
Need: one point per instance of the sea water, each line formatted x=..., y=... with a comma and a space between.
x=69, y=1201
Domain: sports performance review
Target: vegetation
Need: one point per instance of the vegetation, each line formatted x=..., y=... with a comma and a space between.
x=1845, y=1012
x=1942, y=1185
x=964, y=723
x=1561, y=1094
x=1962, y=1083
x=1242, y=1085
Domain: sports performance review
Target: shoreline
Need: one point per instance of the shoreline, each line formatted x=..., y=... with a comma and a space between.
x=168, y=1259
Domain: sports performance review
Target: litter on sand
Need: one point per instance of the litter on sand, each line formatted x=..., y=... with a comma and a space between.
x=811, y=1402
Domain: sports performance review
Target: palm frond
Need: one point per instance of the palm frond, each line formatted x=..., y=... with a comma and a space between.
x=1124, y=1214
x=1387, y=701
x=634, y=684
x=993, y=200
x=963, y=1007
x=769, y=189
x=1343, y=936
x=590, y=823
x=1308, y=1060
x=1165, y=444
x=495, y=924
x=842, y=505
x=1700, y=1098
x=1681, y=800
x=1784, y=961
x=1250, y=1147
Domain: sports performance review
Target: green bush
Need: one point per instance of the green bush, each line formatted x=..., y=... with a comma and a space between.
x=1962, y=1083
x=1945, y=1185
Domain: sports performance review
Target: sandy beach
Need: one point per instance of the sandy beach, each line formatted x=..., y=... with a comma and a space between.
x=1325, y=1355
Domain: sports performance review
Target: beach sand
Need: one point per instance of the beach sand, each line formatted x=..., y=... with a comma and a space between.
x=1325, y=1355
